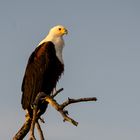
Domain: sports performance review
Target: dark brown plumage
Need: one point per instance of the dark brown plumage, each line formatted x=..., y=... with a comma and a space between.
x=42, y=73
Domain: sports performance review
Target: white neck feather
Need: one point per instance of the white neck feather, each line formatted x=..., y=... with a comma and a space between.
x=59, y=45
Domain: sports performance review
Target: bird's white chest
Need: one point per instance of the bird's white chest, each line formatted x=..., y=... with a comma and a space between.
x=59, y=45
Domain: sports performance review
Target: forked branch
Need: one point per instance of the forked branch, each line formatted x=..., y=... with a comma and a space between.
x=62, y=111
x=59, y=107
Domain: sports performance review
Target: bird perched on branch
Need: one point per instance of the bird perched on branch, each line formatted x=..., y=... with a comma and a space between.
x=44, y=69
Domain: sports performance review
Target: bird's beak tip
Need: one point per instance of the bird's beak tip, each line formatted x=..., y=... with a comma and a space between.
x=66, y=31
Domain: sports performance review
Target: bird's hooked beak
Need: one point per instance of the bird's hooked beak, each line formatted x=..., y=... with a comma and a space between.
x=65, y=31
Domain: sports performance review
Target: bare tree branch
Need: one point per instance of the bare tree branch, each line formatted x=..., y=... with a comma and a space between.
x=64, y=113
x=35, y=116
x=30, y=123
x=23, y=130
x=40, y=131
x=71, y=101
x=58, y=91
x=61, y=107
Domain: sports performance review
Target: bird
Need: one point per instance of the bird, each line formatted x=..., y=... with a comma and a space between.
x=44, y=69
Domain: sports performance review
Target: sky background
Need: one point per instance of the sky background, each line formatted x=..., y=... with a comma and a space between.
x=102, y=59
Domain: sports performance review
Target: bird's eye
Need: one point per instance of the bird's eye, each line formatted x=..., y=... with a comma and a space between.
x=59, y=29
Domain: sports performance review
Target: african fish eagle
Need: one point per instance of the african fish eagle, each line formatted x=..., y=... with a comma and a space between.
x=44, y=68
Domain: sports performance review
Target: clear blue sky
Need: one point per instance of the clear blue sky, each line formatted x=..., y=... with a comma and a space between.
x=102, y=59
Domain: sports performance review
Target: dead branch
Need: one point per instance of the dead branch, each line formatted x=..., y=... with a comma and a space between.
x=23, y=130
x=60, y=108
x=40, y=131
x=71, y=101
x=58, y=91
x=30, y=123
x=35, y=117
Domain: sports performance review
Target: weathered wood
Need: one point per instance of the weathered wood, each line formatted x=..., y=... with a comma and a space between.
x=23, y=130
x=40, y=131
x=71, y=101
x=30, y=123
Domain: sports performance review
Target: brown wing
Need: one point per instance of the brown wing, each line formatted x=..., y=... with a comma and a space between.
x=37, y=75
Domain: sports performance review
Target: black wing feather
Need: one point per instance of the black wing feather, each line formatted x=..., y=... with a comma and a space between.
x=37, y=73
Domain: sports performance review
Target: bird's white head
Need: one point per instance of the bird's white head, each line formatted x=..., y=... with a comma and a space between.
x=58, y=31
x=55, y=35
